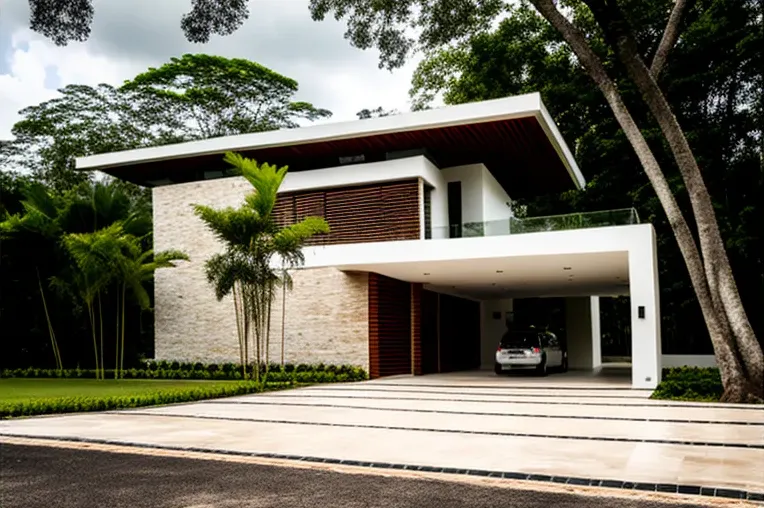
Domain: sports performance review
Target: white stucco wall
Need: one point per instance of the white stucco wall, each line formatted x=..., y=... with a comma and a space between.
x=496, y=206
x=471, y=177
x=491, y=329
x=407, y=260
x=484, y=200
x=582, y=325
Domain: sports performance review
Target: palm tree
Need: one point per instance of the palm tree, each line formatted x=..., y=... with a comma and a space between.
x=110, y=256
x=136, y=267
x=253, y=243
x=93, y=255
x=38, y=225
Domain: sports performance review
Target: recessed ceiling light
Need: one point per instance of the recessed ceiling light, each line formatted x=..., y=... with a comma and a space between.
x=567, y=268
x=499, y=271
x=427, y=273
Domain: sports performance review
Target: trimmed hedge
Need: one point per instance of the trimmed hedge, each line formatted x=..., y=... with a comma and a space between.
x=690, y=383
x=301, y=373
x=169, y=396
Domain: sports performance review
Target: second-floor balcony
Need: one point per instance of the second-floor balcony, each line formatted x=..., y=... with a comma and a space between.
x=515, y=226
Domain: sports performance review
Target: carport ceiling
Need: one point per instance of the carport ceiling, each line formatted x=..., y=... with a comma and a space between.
x=605, y=274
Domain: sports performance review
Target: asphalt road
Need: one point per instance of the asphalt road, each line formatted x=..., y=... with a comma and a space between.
x=67, y=478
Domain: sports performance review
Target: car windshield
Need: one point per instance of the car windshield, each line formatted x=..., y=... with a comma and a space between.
x=520, y=340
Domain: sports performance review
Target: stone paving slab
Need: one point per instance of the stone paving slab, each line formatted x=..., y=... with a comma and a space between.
x=626, y=430
x=551, y=439
x=634, y=462
x=545, y=408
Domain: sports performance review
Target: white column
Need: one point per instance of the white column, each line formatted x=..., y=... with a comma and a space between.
x=492, y=328
x=645, y=330
x=579, y=332
x=594, y=302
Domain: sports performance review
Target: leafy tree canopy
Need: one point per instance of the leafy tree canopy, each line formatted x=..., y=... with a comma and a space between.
x=216, y=96
x=714, y=84
x=191, y=97
x=65, y=21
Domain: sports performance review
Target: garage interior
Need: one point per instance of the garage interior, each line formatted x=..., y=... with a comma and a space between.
x=456, y=324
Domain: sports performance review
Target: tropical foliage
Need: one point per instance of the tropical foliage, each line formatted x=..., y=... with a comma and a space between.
x=678, y=102
x=65, y=21
x=44, y=203
x=75, y=255
x=191, y=97
x=254, y=242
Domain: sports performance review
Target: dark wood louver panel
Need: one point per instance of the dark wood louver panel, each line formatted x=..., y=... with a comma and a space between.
x=368, y=213
x=284, y=212
x=429, y=332
x=416, y=328
x=389, y=326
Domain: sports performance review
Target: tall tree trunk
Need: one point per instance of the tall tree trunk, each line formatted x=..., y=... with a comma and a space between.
x=116, y=343
x=268, y=303
x=239, y=328
x=670, y=36
x=53, y=342
x=721, y=282
x=91, y=317
x=720, y=336
x=283, y=319
x=122, y=352
x=100, y=326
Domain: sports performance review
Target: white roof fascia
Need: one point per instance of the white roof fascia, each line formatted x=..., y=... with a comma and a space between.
x=553, y=133
x=476, y=112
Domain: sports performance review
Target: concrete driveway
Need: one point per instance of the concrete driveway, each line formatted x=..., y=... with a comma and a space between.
x=561, y=431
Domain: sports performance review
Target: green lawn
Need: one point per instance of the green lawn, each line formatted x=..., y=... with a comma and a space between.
x=26, y=390
x=29, y=397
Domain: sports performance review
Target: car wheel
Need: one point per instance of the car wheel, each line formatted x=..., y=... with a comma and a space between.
x=564, y=366
x=497, y=369
x=541, y=369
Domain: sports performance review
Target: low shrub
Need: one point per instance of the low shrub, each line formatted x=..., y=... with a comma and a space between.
x=301, y=373
x=167, y=396
x=690, y=383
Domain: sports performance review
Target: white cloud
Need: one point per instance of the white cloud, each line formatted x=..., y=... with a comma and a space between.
x=24, y=84
x=129, y=37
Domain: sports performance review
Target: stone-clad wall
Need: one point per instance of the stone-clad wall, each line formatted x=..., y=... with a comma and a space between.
x=326, y=312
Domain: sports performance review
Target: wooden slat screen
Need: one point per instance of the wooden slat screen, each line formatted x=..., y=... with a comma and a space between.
x=389, y=326
x=366, y=213
x=416, y=329
x=429, y=331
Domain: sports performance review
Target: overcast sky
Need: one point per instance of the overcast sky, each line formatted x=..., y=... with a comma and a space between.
x=128, y=36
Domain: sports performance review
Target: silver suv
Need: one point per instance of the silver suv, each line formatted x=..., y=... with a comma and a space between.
x=530, y=349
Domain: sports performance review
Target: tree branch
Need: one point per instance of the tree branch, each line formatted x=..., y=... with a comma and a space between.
x=670, y=36
x=720, y=337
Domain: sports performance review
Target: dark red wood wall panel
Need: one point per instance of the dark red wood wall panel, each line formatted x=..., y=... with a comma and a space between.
x=429, y=332
x=390, y=326
x=365, y=213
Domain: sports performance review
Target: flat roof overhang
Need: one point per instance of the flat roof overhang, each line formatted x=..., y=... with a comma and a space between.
x=514, y=137
x=584, y=262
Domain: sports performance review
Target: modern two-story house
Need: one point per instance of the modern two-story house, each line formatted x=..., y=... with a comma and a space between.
x=425, y=258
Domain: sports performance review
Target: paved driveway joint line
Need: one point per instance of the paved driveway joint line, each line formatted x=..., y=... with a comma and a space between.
x=366, y=388
x=538, y=402
x=475, y=413
x=445, y=431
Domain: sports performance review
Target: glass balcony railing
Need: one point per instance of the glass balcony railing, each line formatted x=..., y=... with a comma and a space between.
x=514, y=226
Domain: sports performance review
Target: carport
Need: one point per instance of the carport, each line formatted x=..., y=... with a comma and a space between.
x=470, y=284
